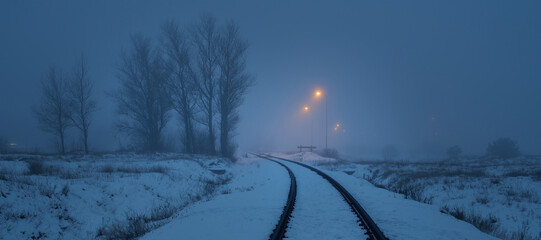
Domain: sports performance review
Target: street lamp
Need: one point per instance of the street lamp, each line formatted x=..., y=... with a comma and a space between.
x=319, y=94
x=306, y=109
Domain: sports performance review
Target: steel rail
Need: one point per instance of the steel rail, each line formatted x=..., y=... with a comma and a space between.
x=279, y=231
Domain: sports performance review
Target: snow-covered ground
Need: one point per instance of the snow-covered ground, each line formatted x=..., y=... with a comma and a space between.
x=109, y=196
x=499, y=197
x=172, y=196
x=249, y=211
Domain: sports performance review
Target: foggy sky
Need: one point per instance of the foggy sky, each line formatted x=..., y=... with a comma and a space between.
x=420, y=75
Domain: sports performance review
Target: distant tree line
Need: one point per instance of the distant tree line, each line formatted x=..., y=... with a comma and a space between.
x=3, y=145
x=66, y=101
x=503, y=148
x=197, y=73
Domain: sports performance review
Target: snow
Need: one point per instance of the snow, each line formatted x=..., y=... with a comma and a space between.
x=249, y=211
x=105, y=191
x=505, y=192
x=76, y=196
x=307, y=157
x=401, y=218
x=397, y=217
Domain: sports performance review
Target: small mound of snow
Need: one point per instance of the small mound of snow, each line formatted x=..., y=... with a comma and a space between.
x=311, y=157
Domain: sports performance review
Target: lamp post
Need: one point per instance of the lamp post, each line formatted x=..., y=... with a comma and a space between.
x=307, y=111
x=320, y=94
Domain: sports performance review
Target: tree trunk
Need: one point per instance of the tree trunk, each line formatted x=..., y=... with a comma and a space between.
x=188, y=144
x=86, y=140
x=62, y=142
x=211, y=135
x=224, y=129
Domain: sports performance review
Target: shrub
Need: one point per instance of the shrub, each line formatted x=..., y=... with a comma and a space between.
x=211, y=185
x=330, y=153
x=46, y=190
x=517, y=173
x=35, y=167
x=488, y=224
x=136, y=224
x=67, y=174
x=454, y=152
x=134, y=227
x=482, y=200
x=162, y=212
x=157, y=169
x=153, y=169
x=504, y=148
x=107, y=168
x=3, y=145
x=65, y=190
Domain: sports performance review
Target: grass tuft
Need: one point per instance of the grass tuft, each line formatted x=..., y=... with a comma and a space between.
x=35, y=167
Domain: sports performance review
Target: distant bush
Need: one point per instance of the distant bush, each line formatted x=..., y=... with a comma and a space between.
x=504, y=148
x=3, y=145
x=35, y=167
x=107, y=168
x=389, y=153
x=65, y=190
x=132, y=169
x=330, y=153
x=454, y=152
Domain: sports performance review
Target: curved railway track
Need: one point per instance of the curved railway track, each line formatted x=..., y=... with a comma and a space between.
x=280, y=229
x=365, y=221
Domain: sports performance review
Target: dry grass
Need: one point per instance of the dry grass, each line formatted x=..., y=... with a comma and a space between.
x=415, y=179
x=487, y=224
x=136, y=225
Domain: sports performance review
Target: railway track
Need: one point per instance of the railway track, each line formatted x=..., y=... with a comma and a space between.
x=280, y=229
x=364, y=220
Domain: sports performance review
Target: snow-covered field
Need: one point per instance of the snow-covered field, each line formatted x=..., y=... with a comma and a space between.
x=110, y=196
x=499, y=197
x=172, y=196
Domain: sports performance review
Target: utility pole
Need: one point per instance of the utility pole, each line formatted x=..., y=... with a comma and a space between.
x=326, y=120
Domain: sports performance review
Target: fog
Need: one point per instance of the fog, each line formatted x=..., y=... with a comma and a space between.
x=421, y=76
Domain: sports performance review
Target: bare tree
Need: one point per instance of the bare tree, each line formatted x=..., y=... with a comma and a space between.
x=181, y=83
x=205, y=40
x=53, y=111
x=3, y=145
x=143, y=101
x=504, y=148
x=389, y=153
x=454, y=152
x=82, y=106
x=232, y=84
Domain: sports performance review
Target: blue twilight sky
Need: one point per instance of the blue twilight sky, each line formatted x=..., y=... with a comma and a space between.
x=421, y=75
